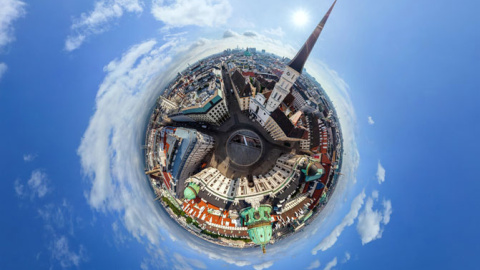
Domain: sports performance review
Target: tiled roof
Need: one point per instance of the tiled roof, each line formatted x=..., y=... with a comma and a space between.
x=289, y=99
x=267, y=94
x=243, y=87
x=286, y=125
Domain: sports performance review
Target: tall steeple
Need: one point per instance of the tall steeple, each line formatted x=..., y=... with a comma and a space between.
x=294, y=69
x=299, y=60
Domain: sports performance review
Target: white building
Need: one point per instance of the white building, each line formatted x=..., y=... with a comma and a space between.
x=181, y=151
x=273, y=182
x=167, y=105
x=257, y=109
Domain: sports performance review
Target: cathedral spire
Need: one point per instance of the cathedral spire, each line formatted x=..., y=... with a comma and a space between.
x=299, y=60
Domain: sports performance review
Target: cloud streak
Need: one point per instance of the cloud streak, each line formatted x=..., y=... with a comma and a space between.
x=278, y=32
x=264, y=265
x=192, y=12
x=29, y=157
x=348, y=220
x=331, y=264
x=39, y=183
x=380, y=173
x=370, y=120
x=98, y=20
x=370, y=221
x=314, y=265
x=3, y=69
x=347, y=257
x=57, y=220
x=11, y=10
x=61, y=252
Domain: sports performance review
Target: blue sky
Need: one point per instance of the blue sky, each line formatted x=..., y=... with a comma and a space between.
x=76, y=78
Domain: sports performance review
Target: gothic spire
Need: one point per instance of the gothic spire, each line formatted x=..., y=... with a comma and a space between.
x=299, y=60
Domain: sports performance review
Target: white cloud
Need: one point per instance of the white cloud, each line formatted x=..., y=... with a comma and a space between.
x=74, y=42
x=275, y=32
x=250, y=34
x=220, y=254
x=29, y=157
x=112, y=130
x=118, y=235
x=192, y=12
x=347, y=257
x=19, y=188
x=58, y=221
x=387, y=211
x=230, y=33
x=331, y=264
x=369, y=227
x=57, y=217
x=10, y=11
x=370, y=120
x=98, y=20
x=380, y=173
x=61, y=252
x=156, y=258
x=183, y=263
x=314, y=265
x=3, y=69
x=348, y=220
x=264, y=265
x=375, y=194
x=38, y=183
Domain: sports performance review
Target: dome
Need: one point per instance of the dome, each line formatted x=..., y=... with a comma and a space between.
x=313, y=171
x=191, y=191
x=258, y=221
x=261, y=234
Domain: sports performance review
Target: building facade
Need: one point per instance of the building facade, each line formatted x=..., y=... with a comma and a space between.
x=180, y=152
x=243, y=89
x=213, y=111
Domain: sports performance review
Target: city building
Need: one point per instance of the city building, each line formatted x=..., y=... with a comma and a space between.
x=259, y=224
x=243, y=89
x=276, y=124
x=213, y=110
x=281, y=128
x=202, y=97
x=167, y=105
x=180, y=151
x=250, y=188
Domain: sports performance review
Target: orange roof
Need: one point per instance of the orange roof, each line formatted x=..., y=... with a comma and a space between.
x=212, y=206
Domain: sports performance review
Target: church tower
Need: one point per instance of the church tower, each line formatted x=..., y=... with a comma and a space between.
x=295, y=67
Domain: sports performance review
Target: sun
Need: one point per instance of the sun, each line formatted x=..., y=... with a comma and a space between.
x=300, y=17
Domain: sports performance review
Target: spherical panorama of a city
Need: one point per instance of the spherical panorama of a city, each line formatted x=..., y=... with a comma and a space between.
x=243, y=148
x=239, y=135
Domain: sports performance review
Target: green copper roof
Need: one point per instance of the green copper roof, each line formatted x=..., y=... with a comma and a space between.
x=313, y=172
x=207, y=106
x=191, y=191
x=259, y=224
x=261, y=235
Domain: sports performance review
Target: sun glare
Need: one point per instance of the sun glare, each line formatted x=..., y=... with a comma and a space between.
x=300, y=17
